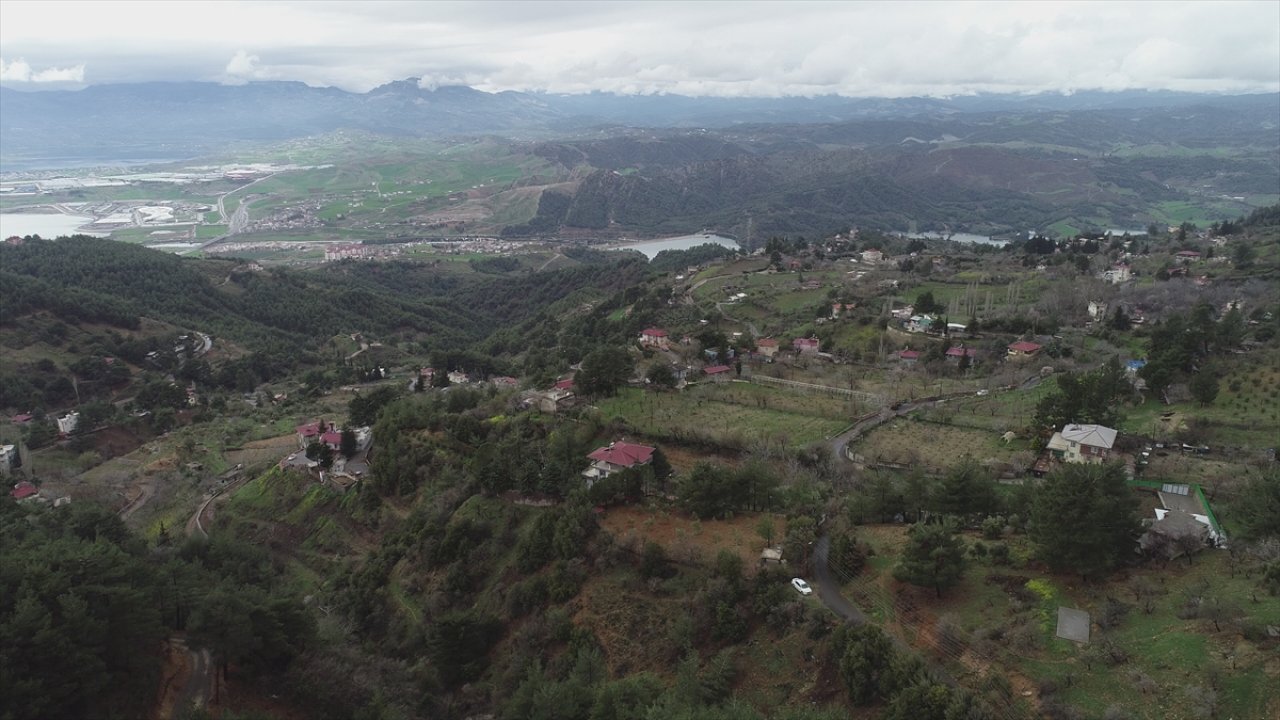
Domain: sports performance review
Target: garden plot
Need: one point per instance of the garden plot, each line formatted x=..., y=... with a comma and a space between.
x=935, y=447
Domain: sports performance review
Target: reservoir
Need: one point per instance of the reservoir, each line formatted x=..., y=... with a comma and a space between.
x=651, y=248
x=959, y=237
x=46, y=225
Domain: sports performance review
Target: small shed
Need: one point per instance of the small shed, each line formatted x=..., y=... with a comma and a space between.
x=772, y=555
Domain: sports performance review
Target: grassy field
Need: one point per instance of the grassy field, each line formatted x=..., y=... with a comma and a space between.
x=1006, y=616
x=713, y=412
x=933, y=445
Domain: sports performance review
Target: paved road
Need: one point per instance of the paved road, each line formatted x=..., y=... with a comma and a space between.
x=828, y=586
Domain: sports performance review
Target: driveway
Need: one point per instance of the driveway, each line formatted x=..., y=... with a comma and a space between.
x=828, y=587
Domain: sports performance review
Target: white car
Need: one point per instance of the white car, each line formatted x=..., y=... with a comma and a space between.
x=801, y=586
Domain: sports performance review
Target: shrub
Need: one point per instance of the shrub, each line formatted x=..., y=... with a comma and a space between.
x=993, y=528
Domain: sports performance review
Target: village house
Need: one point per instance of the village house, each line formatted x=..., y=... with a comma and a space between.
x=767, y=347
x=504, y=382
x=1118, y=273
x=807, y=345
x=872, y=255
x=458, y=377
x=1023, y=349
x=903, y=314
x=24, y=491
x=654, y=337
x=67, y=423
x=8, y=454
x=837, y=308
x=919, y=323
x=1188, y=256
x=618, y=456
x=954, y=354
x=717, y=373
x=1082, y=443
x=1097, y=309
x=909, y=357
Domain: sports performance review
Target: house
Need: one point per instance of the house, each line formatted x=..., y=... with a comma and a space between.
x=772, y=555
x=1082, y=443
x=332, y=438
x=618, y=456
x=23, y=491
x=67, y=423
x=458, y=377
x=767, y=347
x=806, y=345
x=903, y=314
x=717, y=373
x=1023, y=349
x=8, y=454
x=21, y=418
x=309, y=433
x=954, y=354
x=1187, y=256
x=505, y=382
x=872, y=255
x=909, y=357
x=956, y=327
x=1118, y=273
x=654, y=337
x=1097, y=309
x=919, y=323
x=566, y=384
x=1188, y=499
x=1132, y=367
x=1173, y=534
x=837, y=308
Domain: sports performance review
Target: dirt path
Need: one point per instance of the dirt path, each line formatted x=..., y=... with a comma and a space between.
x=188, y=678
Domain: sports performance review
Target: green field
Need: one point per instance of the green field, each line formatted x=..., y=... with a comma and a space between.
x=932, y=445
x=725, y=414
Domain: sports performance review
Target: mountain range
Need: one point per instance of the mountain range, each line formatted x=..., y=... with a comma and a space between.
x=176, y=120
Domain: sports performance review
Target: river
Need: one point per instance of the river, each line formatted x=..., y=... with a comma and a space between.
x=651, y=248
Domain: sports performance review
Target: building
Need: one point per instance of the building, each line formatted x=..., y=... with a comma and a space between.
x=1187, y=256
x=717, y=373
x=954, y=354
x=615, y=458
x=919, y=323
x=67, y=423
x=1023, y=349
x=1097, y=309
x=654, y=337
x=24, y=491
x=1082, y=443
x=872, y=255
x=309, y=433
x=909, y=357
x=807, y=345
x=8, y=454
x=505, y=382
x=767, y=347
x=1118, y=273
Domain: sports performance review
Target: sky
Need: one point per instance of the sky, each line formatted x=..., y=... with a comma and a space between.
x=765, y=49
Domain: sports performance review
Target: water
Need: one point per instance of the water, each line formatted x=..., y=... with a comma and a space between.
x=651, y=248
x=960, y=238
x=46, y=225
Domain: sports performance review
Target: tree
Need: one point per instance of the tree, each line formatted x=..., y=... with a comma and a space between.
x=966, y=490
x=933, y=557
x=604, y=370
x=321, y=453
x=1084, y=519
x=801, y=533
x=1204, y=387
x=765, y=529
x=347, y=444
x=706, y=491
x=660, y=374
x=1257, y=508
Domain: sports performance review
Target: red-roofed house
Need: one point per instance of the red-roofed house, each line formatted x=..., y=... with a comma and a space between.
x=333, y=439
x=1188, y=255
x=718, y=373
x=909, y=357
x=1022, y=348
x=955, y=353
x=566, y=384
x=616, y=457
x=767, y=347
x=505, y=381
x=21, y=419
x=806, y=345
x=316, y=432
x=24, y=490
x=654, y=337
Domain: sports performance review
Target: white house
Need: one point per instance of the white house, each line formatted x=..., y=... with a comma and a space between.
x=1083, y=443
x=67, y=423
x=1097, y=309
x=615, y=458
x=8, y=453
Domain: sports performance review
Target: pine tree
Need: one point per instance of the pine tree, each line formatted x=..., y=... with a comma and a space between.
x=1084, y=519
x=933, y=557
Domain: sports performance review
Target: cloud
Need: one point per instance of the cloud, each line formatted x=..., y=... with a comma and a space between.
x=755, y=48
x=21, y=72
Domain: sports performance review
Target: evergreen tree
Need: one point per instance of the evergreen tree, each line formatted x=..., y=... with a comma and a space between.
x=1084, y=519
x=966, y=490
x=933, y=557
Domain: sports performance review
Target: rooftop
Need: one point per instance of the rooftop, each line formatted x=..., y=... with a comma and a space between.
x=1092, y=435
x=623, y=454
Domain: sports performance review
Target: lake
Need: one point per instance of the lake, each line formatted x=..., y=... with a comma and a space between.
x=46, y=225
x=960, y=238
x=651, y=248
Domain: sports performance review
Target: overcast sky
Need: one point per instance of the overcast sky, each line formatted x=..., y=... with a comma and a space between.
x=691, y=48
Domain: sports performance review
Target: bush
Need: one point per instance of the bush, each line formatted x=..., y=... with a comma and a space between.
x=993, y=527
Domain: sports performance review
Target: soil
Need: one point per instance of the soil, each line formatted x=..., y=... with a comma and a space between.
x=685, y=538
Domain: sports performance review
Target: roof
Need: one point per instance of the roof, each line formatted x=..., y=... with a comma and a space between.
x=22, y=418
x=309, y=430
x=909, y=354
x=1136, y=364
x=961, y=351
x=1024, y=346
x=1188, y=253
x=766, y=342
x=623, y=454
x=505, y=380
x=1092, y=435
x=563, y=384
x=805, y=342
x=331, y=438
x=24, y=490
x=654, y=332
x=716, y=369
